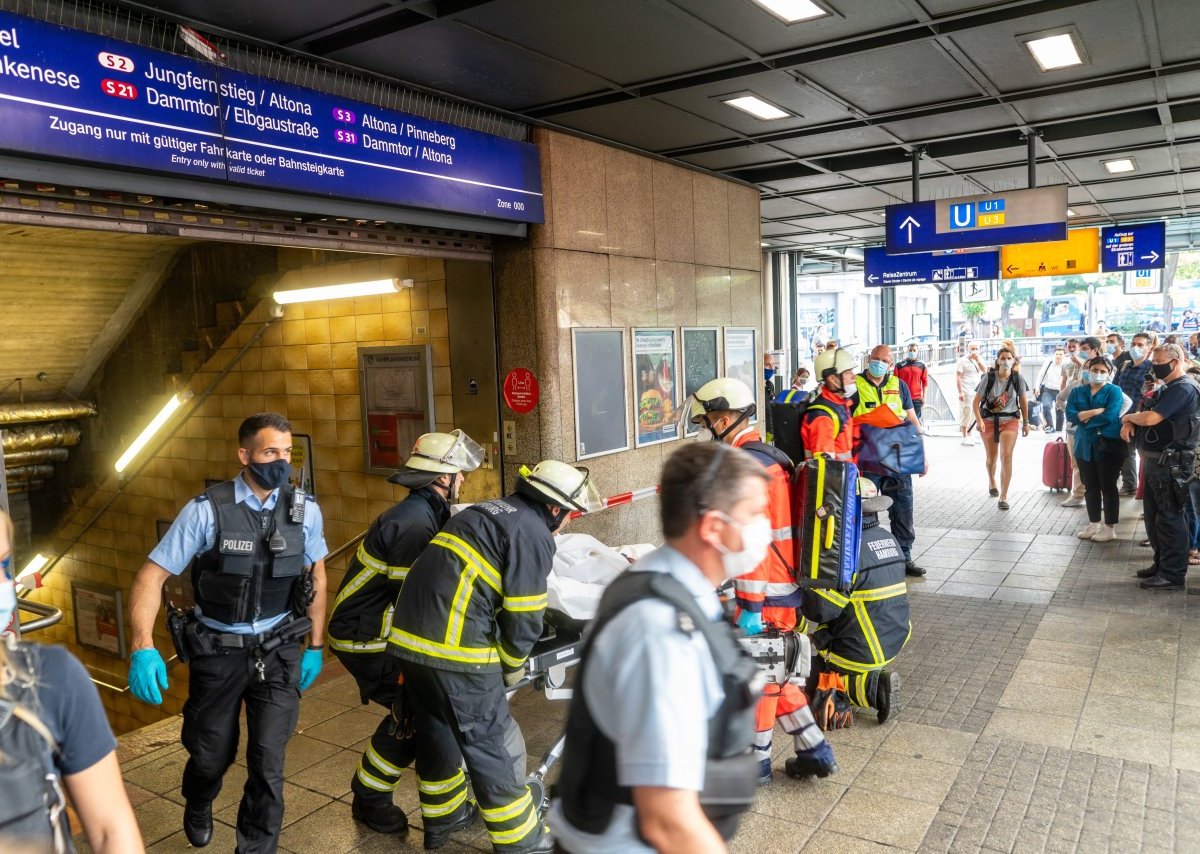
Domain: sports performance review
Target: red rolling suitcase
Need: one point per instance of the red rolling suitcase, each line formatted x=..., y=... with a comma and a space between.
x=1056, y=466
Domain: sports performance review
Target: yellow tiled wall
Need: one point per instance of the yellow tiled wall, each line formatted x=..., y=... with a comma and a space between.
x=304, y=366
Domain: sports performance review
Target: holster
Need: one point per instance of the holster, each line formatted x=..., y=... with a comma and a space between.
x=303, y=593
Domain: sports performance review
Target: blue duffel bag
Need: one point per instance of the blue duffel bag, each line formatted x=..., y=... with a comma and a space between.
x=891, y=450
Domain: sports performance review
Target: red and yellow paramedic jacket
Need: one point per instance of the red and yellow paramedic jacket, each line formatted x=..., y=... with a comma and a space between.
x=770, y=589
x=827, y=427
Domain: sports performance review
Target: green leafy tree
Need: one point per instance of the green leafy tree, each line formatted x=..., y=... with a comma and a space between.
x=973, y=312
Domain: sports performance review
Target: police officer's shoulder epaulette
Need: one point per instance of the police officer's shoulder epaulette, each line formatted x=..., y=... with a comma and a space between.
x=203, y=496
x=685, y=622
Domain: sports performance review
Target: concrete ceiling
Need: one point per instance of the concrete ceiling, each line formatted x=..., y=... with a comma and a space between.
x=867, y=86
x=68, y=296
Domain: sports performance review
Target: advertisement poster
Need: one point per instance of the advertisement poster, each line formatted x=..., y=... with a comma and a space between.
x=99, y=622
x=302, y=462
x=742, y=361
x=601, y=410
x=701, y=362
x=397, y=401
x=654, y=386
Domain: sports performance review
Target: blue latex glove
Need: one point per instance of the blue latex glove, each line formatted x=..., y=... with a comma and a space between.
x=310, y=667
x=147, y=674
x=750, y=622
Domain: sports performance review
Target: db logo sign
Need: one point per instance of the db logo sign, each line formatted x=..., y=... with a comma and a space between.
x=521, y=391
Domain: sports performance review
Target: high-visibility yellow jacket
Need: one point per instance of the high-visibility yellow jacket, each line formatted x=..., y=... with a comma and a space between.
x=887, y=394
x=473, y=601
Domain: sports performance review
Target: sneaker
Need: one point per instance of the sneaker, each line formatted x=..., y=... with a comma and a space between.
x=1072, y=502
x=967, y=442
x=437, y=835
x=1106, y=534
x=1090, y=531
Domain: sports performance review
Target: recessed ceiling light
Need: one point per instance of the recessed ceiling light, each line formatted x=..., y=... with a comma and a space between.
x=1121, y=164
x=1071, y=212
x=1054, y=52
x=792, y=11
x=757, y=107
x=764, y=244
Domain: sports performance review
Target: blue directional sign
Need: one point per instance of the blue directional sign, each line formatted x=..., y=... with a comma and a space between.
x=1133, y=247
x=882, y=270
x=1019, y=216
x=78, y=96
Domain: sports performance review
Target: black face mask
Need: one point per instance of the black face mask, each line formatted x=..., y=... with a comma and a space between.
x=560, y=519
x=270, y=475
x=1163, y=371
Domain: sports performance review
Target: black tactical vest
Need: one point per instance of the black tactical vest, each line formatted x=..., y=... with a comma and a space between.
x=588, y=784
x=32, y=806
x=240, y=580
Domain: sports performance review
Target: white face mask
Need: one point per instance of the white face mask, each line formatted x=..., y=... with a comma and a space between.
x=756, y=541
x=705, y=435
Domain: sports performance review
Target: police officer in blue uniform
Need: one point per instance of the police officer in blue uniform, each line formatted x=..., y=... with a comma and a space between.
x=1166, y=430
x=259, y=584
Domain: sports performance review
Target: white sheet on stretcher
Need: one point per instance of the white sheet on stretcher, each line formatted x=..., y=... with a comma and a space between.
x=583, y=567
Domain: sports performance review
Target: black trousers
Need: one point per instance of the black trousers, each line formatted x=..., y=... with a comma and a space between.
x=1129, y=478
x=464, y=716
x=1100, y=477
x=918, y=405
x=218, y=686
x=392, y=747
x=1164, y=521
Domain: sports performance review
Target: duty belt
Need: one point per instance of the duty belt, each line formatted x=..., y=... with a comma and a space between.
x=1180, y=456
x=268, y=640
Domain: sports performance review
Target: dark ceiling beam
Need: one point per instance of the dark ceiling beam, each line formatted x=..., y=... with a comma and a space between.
x=837, y=49
x=931, y=110
x=373, y=26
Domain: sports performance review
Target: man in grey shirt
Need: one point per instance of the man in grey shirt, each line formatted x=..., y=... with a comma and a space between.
x=637, y=749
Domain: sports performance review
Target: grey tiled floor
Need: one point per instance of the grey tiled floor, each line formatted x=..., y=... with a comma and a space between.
x=1049, y=706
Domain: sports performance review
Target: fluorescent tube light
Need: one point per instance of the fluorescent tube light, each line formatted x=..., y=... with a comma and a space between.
x=757, y=107
x=35, y=564
x=323, y=292
x=1121, y=164
x=1054, y=52
x=152, y=428
x=1071, y=212
x=792, y=11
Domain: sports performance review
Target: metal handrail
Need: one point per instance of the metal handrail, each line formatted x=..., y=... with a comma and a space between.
x=100, y=683
x=345, y=547
x=48, y=616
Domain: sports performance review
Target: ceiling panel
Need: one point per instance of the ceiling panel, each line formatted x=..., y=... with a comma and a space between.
x=270, y=21
x=644, y=124
x=626, y=41
x=750, y=24
x=855, y=198
x=1087, y=102
x=1112, y=35
x=1109, y=141
x=469, y=64
x=952, y=123
x=1189, y=155
x=736, y=158
x=1141, y=187
x=1178, y=29
x=835, y=143
x=810, y=106
x=837, y=223
x=1182, y=85
x=803, y=183
x=1191, y=182
x=908, y=76
x=982, y=159
x=783, y=208
x=1149, y=207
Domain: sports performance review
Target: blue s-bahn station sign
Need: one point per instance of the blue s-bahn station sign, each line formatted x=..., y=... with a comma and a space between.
x=882, y=270
x=78, y=96
x=1018, y=216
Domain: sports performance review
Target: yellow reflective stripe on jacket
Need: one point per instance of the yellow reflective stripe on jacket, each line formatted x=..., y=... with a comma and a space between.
x=448, y=652
x=508, y=660
x=377, y=645
x=474, y=567
x=354, y=585
x=396, y=573
x=880, y=593
x=868, y=630
x=525, y=603
x=833, y=596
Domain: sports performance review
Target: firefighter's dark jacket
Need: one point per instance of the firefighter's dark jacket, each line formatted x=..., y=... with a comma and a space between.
x=473, y=601
x=362, y=610
x=240, y=580
x=864, y=631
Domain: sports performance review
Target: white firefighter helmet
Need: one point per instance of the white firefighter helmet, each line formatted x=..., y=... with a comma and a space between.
x=560, y=484
x=833, y=362
x=724, y=394
x=435, y=454
x=872, y=500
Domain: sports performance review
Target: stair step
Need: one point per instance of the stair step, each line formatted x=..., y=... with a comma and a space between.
x=192, y=361
x=230, y=314
x=211, y=337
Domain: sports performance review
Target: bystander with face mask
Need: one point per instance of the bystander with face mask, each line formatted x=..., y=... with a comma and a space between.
x=1094, y=407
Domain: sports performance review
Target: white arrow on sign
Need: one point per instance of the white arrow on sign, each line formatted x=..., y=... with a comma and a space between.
x=1152, y=257
x=908, y=223
x=872, y=278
